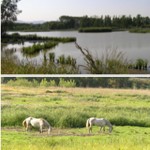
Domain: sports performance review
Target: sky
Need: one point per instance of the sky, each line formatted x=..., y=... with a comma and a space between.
x=48, y=10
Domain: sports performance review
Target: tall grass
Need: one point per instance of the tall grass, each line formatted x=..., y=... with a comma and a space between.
x=72, y=107
x=113, y=62
x=12, y=65
x=70, y=117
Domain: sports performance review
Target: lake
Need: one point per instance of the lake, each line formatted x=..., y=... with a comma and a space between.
x=134, y=45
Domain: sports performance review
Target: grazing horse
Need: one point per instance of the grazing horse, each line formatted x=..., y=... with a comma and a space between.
x=38, y=123
x=99, y=122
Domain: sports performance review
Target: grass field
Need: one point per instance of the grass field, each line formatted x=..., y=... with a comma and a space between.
x=67, y=109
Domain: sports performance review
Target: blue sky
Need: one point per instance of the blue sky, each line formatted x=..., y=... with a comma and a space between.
x=33, y=10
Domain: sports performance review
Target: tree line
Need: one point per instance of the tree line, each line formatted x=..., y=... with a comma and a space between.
x=103, y=82
x=9, y=12
x=70, y=22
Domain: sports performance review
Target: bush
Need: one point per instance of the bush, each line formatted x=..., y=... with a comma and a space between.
x=70, y=83
x=20, y=82
x=52, y=83
x=44, y=83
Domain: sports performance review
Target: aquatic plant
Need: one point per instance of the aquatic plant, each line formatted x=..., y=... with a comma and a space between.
x=38, y=47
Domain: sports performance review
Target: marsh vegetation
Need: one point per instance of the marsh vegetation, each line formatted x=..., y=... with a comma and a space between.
x=111, y=62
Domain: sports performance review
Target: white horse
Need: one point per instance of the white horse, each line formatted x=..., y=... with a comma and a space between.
x=99, y=122
x=38, y=123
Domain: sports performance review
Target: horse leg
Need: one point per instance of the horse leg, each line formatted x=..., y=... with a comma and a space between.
x=110, y=129
x=49, y=130
x=103, y=129
x=27, y=127
x=90, y=129
x=41, y=129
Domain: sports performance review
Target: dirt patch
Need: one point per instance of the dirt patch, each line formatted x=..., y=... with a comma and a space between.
x=55, y=132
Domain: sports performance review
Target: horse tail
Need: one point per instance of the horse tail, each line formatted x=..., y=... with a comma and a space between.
x=87, y=123
x=24, y=123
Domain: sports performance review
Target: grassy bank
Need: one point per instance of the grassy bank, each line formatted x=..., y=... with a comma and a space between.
x=17, y=38
x=67, y=110
x=140, y=30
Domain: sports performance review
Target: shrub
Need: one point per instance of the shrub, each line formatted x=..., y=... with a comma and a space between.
x=20, y=82
x=44, y=83
x=52, y=83
x=69, y=83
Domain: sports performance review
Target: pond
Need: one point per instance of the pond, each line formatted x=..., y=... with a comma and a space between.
x=133, y=45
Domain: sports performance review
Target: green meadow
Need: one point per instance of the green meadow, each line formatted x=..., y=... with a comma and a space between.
x=67, y=110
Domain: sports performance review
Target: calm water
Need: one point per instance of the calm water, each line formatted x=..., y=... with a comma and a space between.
x=132, y=44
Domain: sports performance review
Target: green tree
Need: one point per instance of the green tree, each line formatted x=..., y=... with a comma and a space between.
x=107, y=21
x=9, y=12
x=85, y=21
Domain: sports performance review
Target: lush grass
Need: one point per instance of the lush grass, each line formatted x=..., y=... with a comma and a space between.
x=127, y=109
x=124, y=138
x=67, y=112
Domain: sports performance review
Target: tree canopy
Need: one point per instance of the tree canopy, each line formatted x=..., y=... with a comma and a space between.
x=9, y=12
